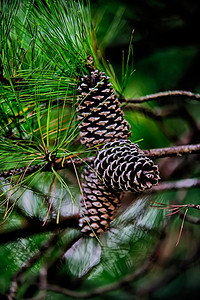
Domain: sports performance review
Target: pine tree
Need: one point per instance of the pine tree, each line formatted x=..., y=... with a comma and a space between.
x=61, y=118
x=38, y=100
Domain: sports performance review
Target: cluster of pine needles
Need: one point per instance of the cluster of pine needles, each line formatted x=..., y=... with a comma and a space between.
x=44, y=51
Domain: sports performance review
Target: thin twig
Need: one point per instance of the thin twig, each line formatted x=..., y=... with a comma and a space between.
x=145, y=268
x=171, y=273
x=182, y=224
x=29, y=263
x=142, y=270
x=36, y=227
x=163, y=95
x=174, y=185
x=173, y=151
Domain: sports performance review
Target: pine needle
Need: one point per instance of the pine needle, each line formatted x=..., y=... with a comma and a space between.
x=182, y=224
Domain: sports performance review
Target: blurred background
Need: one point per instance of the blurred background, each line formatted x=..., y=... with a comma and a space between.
x=166, y=44
x=142, y=241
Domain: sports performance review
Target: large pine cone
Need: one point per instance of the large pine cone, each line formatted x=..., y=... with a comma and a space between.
x=123, y=166
x=119, y=166
x=100, y=116
x=99, y=205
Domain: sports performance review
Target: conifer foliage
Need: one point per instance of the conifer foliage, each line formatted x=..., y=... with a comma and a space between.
x=38, y=108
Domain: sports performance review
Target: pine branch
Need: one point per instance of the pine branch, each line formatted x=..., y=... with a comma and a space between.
x=29, y=263
x=173, y=151
x=174, y=270
x=105, y=289
x=36, y=227
x=62, y=163
x=44, y=251
x=164, y=95
x=57, y=165
x=144, y=269
x=180, y=184
x=72, y=222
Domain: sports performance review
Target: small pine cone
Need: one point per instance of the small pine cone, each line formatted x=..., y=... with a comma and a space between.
x=101, y=118
x=123, y=166
x=99, y=205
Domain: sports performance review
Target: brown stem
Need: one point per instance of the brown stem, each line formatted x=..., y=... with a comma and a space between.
x=153, y=153
x=174, y=185
x=30, y=262
x=173, y=151
x=34, y=228
x=163, y=95
x=142, y=270
x=57, y=165
x=145, y=268
x=171, y=273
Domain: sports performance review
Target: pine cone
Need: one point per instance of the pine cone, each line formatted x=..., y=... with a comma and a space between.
x=101, y=118
x=123, y=166
x=119, y=166
x=99, y=205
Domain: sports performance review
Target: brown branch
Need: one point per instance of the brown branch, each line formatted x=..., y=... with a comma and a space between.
x=29, y=263
x=57, y=165
x=163, y=95
x=45, y=252
x=171, y=273
x=174, y=185
x=173, y=151
x=103, y=289
x=153, y=153
x=36, y=227
x=145, y=268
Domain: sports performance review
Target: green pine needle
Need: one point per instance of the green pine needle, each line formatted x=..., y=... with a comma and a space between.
x=45, y=48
